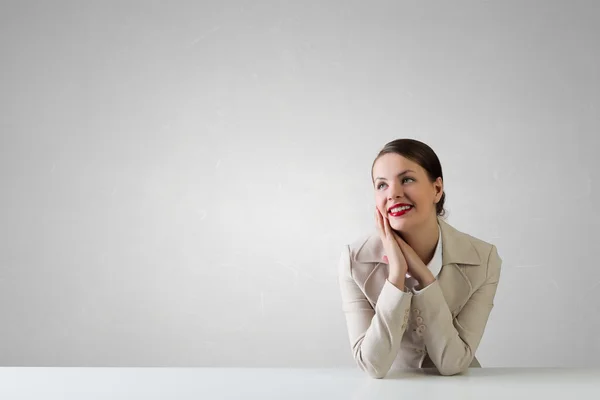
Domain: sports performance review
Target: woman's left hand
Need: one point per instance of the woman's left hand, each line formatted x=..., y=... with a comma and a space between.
x=416, y=267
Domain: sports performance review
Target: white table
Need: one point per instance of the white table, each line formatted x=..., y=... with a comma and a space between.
x=287, y=384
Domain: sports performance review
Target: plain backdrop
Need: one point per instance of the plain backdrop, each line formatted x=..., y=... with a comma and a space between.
x=178, y=178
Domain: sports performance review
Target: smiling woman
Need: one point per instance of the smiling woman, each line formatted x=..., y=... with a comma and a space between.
x=418, y=293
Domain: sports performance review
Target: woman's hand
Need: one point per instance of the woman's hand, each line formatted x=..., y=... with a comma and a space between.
x=396, y=261
x=416, y=267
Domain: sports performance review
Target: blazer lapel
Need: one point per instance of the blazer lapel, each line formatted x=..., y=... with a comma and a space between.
x=458, y=253
x=373, y=271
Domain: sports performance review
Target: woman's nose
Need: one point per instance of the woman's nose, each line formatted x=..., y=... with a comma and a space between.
x=395, y=193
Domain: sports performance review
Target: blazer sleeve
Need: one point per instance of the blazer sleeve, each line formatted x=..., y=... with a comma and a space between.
x=452, y=343
x=375, y=334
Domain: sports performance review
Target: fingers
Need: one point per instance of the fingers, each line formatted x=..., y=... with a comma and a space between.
x=383, y=224
x=380, y=221
x=405, y=248
x=403, y=245
x=388, y=228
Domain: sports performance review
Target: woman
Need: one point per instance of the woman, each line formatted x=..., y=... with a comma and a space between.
x=418, y=293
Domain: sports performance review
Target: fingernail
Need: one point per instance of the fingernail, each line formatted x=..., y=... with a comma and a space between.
x=385, y=259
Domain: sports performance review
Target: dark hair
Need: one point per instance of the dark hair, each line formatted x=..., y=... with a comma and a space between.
x=423, y=155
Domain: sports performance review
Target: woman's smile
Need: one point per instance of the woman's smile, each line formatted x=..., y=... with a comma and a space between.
x=401, y=213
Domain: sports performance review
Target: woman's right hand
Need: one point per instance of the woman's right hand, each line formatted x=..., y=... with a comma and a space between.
x=398, y=266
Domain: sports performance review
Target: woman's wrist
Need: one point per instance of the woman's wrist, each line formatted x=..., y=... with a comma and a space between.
x=397, y=280
x=425, y=279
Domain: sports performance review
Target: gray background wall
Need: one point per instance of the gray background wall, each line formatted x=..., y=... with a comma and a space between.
x=178, y=178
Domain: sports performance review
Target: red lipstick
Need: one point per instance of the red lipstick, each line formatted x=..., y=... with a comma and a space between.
x=400, y=213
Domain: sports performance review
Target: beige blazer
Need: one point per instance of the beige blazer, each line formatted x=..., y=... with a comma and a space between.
x=440, y=327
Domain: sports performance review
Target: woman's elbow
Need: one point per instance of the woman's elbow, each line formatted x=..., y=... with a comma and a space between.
x=373, y=372
x=454, y=366
x=452, y=370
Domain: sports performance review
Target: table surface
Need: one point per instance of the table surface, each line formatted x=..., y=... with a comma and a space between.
x=293, y=383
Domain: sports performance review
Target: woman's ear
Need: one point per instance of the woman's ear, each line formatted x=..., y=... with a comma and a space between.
x=439, y=189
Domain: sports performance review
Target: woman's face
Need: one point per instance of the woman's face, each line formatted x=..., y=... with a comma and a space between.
x=398, y=180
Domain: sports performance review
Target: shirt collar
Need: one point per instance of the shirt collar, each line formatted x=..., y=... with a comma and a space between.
x=435, y=265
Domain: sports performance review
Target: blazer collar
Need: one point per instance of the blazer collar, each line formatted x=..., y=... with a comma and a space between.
x=456, y=247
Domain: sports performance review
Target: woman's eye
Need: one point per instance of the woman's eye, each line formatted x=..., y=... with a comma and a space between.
x=403, y=180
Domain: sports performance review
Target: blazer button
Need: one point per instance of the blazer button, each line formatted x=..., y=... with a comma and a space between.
x=420, y=330
x=416, y=311
x=419, y=320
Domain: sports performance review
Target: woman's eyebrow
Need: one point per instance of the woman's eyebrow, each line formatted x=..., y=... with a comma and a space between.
x=400, y=174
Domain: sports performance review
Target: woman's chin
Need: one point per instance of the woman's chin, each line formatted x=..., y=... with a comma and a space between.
x=402, y=224
x=399, y=226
